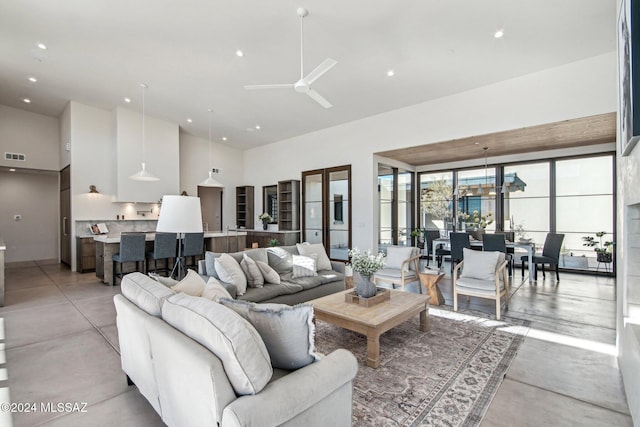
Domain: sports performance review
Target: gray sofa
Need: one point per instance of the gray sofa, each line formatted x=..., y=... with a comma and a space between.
x=187, y=384
x=291, y=290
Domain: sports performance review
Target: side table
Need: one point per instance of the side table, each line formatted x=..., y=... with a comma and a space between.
x=430, y=281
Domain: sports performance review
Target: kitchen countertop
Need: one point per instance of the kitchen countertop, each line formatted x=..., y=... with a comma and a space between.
x=115, y=238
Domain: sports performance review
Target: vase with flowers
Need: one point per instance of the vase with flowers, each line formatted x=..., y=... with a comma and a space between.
x=364, y=264
x=266, y=219
x=476, y=223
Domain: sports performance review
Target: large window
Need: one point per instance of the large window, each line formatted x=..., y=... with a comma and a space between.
x=573, y=196
x=436, y=201
x=584, y=205
x=527, y=200
x=477, y=199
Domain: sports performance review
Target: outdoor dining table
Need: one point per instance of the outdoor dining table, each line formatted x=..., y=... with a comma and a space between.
x=529, y=247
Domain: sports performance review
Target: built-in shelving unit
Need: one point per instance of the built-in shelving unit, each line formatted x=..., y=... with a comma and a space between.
x=289, y=205
x=244, y=206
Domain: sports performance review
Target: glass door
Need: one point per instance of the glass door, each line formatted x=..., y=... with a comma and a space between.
x=326, y=201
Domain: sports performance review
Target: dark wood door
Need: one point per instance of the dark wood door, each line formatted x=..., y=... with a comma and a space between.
x=65, y=215
x=211, y=202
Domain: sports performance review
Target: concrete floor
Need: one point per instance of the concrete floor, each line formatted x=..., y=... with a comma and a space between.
x=60, y=346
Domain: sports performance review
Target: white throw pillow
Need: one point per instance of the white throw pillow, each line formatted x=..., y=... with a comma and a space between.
x=287, y=332
x=479, y=265
x=145, y=293
x=304, y=266
x=322, y=261
x=269, y=274
x=214, y=290
x=227, y=335
x=230, y=271
x=192, y=284
x=253, y=273
x=396, y=255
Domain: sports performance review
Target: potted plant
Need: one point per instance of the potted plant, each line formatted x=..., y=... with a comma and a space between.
x=602, y=249
x=266, y=219
x=365, y=264
x=417, y=234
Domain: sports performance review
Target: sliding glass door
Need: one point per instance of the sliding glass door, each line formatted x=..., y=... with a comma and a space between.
x=395, y=206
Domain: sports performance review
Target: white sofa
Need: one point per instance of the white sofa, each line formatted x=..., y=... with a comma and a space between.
x=187, y=384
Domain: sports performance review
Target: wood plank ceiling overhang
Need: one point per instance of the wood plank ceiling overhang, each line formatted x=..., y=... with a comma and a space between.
x=592, y=130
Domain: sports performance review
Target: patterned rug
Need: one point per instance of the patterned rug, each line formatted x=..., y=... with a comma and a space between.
x=445, y=377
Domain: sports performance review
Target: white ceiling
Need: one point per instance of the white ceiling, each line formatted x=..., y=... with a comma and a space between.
x=99, y=51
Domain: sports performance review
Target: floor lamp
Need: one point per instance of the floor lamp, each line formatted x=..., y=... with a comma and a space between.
x=180, y=214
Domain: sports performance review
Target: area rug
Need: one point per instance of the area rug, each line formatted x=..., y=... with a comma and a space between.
x=445, y=377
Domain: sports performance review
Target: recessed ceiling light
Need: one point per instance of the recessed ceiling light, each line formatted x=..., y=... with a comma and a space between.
x=32, y=79
x=239, y=53
x=189, y=120
x=42, y=46
x=476, y=143
x=498, y=34
x=26, y=100
x=258, y=127
x=12, y=170
x=224, y=138
x=390, y=73
x=127, y=100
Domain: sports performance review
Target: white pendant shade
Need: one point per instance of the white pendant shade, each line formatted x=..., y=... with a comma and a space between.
x=144, y=175
x=211, y=182
x=180, y=214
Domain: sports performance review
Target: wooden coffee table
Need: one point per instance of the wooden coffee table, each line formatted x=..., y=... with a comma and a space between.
x=372, y=321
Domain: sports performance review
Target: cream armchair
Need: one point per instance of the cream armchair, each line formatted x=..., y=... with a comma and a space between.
x=400, y=266
x=484, y=275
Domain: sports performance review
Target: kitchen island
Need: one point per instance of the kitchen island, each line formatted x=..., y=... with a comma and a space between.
x=109, y=244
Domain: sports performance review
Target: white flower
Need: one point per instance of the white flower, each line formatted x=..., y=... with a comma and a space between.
x=366, y=263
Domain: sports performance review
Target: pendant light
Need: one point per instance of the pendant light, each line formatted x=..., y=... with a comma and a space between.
x=142, y=174
x=210, y=181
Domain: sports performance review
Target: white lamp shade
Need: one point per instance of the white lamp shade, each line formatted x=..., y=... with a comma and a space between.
x=180, y=214
x=211, y=182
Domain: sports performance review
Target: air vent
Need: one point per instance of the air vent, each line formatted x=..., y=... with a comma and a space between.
x=14, y=156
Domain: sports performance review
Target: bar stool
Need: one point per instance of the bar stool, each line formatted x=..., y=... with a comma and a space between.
x=193, y=246
x=164, y=248
x=131, y=250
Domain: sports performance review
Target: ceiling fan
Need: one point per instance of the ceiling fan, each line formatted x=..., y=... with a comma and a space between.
x=304, y=84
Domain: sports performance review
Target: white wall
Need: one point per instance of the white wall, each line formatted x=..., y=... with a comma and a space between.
x=194, y=168
x=31, y=134
x=34, y=195
x=161, y=154
x=576, y=90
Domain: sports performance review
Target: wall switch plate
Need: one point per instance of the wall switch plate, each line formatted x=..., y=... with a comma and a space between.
x=67, y=146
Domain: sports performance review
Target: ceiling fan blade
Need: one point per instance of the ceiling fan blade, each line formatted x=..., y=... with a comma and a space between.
x=318, y=98
x=276, y=86
x=325, y=66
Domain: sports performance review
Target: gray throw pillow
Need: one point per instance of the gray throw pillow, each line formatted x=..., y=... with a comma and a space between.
x=251, y=270
x=287, y=332
x=230, y=271
x=210, y=263
x=280, y=260
x=269, y=274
